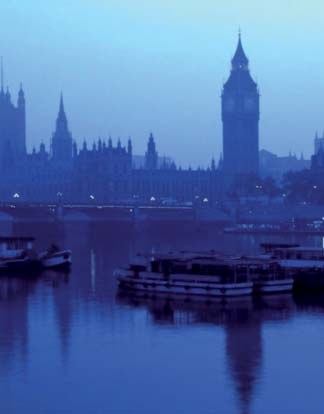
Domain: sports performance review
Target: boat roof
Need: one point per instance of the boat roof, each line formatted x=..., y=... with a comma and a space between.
x=16, y=238
x=278, y=245
x=181, y=255
x=209, y=258
x=306, y=249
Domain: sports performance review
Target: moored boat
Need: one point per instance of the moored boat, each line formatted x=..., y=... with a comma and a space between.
x=305, y=263
x=269, y=276
x=205, y=274
x=17, y=255
x=53, y=257
x=187, y=275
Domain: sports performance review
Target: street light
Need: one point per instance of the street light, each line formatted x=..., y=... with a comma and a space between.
x=16, y=195
x=92, y=197
x=152, y=198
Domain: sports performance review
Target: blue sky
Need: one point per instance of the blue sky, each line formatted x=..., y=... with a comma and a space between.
x=130, y=67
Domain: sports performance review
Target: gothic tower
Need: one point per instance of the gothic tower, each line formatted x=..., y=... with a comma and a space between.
x=151, y=155
x=240, y=116
x=62, y=138
x=12, y=127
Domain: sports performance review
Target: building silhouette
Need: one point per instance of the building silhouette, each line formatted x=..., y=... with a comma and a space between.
x=61, y=145
x=12, y=127
x=240, y=116
x=108, y=172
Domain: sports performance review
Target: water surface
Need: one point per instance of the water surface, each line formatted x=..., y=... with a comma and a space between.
x=75, y=344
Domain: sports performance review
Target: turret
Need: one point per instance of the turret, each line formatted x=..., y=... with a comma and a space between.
x=74, y=149
x=151, y=156
x=129, y=147
x=21, y=98
x=99, y=145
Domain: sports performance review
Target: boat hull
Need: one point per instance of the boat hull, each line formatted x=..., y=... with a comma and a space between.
x=274, y=286
x=21, y=266
x=188, y=288
x=58, y=260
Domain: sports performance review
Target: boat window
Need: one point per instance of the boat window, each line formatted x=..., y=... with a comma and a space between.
x=179, y=268
x=165, y=267
x=155, y=266
x=195, y=268
x=138, y=268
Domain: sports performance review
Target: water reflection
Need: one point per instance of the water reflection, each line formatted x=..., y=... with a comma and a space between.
x=14, y=294
x=88, y=333
x=241, y=318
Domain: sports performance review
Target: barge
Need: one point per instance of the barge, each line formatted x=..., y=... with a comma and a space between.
x=208, y=275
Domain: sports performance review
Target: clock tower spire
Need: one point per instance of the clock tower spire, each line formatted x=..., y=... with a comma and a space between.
x=240, y=116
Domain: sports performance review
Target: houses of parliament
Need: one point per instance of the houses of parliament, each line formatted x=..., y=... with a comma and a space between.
x=106, y=172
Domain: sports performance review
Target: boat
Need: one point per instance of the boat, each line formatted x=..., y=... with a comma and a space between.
x=17, y=254
x=209, y=274
x=53, y=257
x=183, y=274
x=294, y=256
x=305, y=263
x=270, y=277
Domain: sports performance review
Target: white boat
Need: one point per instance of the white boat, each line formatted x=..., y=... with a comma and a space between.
x=53, y=257
x=187, y=275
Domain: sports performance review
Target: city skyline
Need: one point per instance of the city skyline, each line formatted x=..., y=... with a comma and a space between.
x=171, y=84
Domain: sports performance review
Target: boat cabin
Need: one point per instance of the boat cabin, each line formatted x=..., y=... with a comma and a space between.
x=12, y=247
x=299, y=253
x=269, y=248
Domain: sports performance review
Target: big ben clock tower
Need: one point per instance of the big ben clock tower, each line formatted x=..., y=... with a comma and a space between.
x=240, y=116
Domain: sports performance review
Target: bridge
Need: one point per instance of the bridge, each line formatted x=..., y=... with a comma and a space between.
x=49, y=213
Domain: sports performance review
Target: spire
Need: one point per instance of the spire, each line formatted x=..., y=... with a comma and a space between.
x=21, y=98
x=129, y=146
x=240, y=61
x=61, y=122
x=61, y=111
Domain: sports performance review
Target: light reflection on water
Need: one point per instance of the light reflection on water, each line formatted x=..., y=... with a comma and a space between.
x=76, y=344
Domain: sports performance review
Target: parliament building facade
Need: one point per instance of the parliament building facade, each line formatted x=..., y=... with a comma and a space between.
x=106, y=173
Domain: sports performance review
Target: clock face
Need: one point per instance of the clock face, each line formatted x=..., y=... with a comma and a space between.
x=249, y=104
x=229, y=104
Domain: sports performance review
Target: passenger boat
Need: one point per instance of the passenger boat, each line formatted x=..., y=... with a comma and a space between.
x=294, y=256
x=305, y=264
x=207, y=275
x=17, y=254
x=53, y=257
x=270, y=277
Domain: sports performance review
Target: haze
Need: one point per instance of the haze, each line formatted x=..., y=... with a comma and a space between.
x=130, y=67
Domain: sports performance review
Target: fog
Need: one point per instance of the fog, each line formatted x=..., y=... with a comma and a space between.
x=127, y=68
